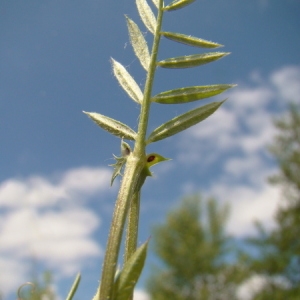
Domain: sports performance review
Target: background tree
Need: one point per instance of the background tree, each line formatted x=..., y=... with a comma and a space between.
x=193, y=247
x=279, y=250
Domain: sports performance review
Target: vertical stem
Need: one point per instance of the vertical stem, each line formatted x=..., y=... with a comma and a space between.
x=127, y=189
x=133, y=219
x=145, y=109
x=139, y=150
x=132, y=229
x=134, y=166
x=133, y=226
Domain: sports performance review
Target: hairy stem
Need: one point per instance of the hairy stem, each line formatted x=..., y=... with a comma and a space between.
x=133, y=218
x=130, y=179
x=134, y=166
x=132, y=227
x=145, y=108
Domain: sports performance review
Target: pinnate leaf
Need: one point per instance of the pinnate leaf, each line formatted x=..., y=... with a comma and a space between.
x=190, y=40
x=183, y=122
x=189, y=94
x=177, y=4
x=127, y=82
x=130, y=274
x=190, y=61
x=113, y=126
x=138, y=43
x=146, y=15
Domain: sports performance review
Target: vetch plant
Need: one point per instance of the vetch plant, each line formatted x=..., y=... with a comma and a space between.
x=136, y=163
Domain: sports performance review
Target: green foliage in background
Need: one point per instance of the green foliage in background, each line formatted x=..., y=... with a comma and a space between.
x=279, y=250
x=193, y=247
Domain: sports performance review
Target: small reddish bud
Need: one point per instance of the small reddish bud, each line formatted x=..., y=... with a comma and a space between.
x=150, y=158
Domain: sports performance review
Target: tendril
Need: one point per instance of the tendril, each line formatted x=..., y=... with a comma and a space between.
x=22, y=286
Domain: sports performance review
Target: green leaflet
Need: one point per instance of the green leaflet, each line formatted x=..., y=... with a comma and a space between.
x=127, y=82
x=177, y=4
x=74, y=287
x=156, y=3
x=129, y=275
x=113, y=126
x=190, y=40
x=146, y=15
x=138, y=43
x=183, y=122
x=153, y=159
x=189, y=94
x=191, y=60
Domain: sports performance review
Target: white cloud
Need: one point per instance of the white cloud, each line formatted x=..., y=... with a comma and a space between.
x=12, y=273
x=256, y=283
x=248, y=204
x=45, y=219
x=140, y=295
x=40, y=191
x=233, y=141
x=286, y=81
x=250, y=287
x=202, y=143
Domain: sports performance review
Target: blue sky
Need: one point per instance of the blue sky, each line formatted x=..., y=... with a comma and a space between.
x=55, y=196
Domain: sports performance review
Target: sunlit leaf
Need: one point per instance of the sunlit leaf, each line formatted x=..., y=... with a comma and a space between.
x=151, y=160
x=183, y=122
x=177, y=4
x=139, y=43
x=146, y=15
x=74, y=287
x=154, y=158
x=113, y=126
x=130, y=274
x=189, y=94
x=191, y=60
x=190, y=40
x=156, y=3
x=127, y=82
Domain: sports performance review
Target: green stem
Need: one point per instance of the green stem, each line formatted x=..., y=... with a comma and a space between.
x=134, y=166
x=131, y=174
x=132, y=229
x=133, y=217
x=133, y=226
x=140, y=144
